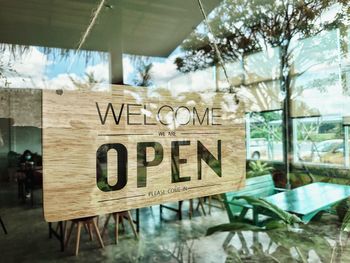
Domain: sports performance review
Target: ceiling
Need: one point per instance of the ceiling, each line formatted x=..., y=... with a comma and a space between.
x=142, y=27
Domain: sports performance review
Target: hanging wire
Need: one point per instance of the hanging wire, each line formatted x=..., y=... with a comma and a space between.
x=98, y=10
x=93, y=20
x=95, y=13
x=217, y=51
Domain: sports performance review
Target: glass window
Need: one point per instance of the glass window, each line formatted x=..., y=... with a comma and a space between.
x=319, y=141
x=24, y=72
x=264, y=135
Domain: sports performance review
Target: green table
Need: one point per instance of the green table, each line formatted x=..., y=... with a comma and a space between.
x=307, y=201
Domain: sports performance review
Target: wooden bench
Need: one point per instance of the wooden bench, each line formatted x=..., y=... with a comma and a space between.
x=261, y=186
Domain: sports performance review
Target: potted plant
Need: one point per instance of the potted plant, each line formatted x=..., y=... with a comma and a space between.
x=257, y=168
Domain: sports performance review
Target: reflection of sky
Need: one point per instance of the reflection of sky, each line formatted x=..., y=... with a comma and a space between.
x=164, y=74
x=36, y=69
x=39, y=69
x=322, y=92
x=130, y=72
x=318, y=54
x=74, y=64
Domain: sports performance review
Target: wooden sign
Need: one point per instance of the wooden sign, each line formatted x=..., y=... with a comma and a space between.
x=133, y=147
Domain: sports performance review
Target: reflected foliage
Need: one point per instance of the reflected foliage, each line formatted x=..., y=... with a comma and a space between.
x=241, y=27
x=143, y=67
x=87, y=83
x=262, y=125
x=288, y=241
x=257, y=168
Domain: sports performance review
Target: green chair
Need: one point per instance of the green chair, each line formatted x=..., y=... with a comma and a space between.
x=261, y=186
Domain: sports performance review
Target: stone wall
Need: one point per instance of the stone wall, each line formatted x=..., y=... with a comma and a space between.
x=20, y=124
x=23, y=106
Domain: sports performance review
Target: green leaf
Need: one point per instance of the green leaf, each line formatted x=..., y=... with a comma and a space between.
x=244, y=226
x=274, y=224
x=346, y=222
x=279, y=213
x=258, y=168
x=236, y=226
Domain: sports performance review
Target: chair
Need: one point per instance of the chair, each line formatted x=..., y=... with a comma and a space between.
x=201, y=201
x=35, y=184
x=261, y=186
x=87, y=222
x=118, y=218
x=3, y=226
x=217, y=197
x=179, y=209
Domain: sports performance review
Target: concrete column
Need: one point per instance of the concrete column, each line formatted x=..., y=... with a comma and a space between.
x=116, y=45
x=116, y=65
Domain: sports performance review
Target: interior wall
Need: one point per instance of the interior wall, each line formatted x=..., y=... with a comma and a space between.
x=20, y=124
x=4, y=147
x=23, y=106
x=26, y=138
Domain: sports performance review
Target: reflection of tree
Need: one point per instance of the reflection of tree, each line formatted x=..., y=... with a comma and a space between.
x=262, y=127
x=6, y=69
x=88, y=83
x=242, y=27
x=262, y=96
x=143, y=67
x=180, y=251
x=17, y=52
x=305, y=132
x=279, y=248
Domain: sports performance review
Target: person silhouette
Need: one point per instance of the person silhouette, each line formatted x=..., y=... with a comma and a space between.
x=27, y=167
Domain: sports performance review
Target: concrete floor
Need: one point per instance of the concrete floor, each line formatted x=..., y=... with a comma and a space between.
x=169, y=240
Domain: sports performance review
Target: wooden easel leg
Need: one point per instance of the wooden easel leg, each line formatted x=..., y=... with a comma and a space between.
x=77, y=244
x=86, y=228
x=69, y=234
x=132, y=224
x=200, y=204
x=190, y=211
x=97, y=233
x=122, y=222
x=65, y=230
x=221, y=202
x=106, y=224
x=90, y=231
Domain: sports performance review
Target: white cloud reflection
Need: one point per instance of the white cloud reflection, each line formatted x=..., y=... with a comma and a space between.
x=31, y=70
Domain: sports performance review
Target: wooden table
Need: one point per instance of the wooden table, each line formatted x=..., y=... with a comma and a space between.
x=307, y=201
